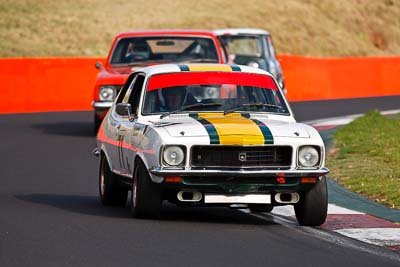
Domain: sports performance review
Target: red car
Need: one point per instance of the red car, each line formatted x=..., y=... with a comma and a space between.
x=133, y=50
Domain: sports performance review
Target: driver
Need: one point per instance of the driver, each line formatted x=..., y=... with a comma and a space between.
x=173, y=98
x=137, y=51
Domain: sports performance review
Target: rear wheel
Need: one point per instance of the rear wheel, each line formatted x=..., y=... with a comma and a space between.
x=111, y=191
x=260, y=207
x=146, y=198
x=312, y=208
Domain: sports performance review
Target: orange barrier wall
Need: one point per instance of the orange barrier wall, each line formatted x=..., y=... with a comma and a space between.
x=47, y=84
x=66, y=84
x=309, y=78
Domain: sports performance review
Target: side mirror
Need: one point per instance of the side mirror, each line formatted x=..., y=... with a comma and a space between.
x=98, y=65
x=124, y=109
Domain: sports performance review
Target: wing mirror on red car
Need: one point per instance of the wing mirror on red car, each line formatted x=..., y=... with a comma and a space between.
x=98, y=65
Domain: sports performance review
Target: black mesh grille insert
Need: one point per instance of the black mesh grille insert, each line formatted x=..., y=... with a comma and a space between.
x=241, y=156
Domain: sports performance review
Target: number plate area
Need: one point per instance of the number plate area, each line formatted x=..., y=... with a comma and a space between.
x=238, y=199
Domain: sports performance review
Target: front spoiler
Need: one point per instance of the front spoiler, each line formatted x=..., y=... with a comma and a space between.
x=239, y=172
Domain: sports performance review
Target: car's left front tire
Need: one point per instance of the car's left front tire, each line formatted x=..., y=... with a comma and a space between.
x=111, y=191
x=312, y=208
x=146, y=197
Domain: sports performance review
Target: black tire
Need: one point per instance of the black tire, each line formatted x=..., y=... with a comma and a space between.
x=146, y=197
x=260, y=207
x=111, y=191
x=96, y=123
x=312, y=208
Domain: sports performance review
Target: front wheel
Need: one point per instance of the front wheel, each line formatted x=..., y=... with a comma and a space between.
x=111, y=191
x=312, y=208
x=146, y=198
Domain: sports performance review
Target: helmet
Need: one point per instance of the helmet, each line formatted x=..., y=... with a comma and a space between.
x=173, y=98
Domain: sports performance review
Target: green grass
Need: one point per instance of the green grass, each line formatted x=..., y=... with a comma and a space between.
x=32, y=28
x=366, y=157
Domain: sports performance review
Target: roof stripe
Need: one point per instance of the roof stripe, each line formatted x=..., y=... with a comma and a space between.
x=183, y=67
x=209, y=67
x=235, y=68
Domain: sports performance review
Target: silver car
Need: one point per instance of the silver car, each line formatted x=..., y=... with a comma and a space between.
x=209, y=134
x=252, y=47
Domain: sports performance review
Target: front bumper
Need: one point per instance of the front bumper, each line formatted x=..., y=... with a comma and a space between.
x=163, y=172
x=101, y=108
x=239, y=180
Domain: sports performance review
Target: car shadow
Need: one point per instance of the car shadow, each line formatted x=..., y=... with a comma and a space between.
x=90, y=205
x=81, y=129
x=221, y=215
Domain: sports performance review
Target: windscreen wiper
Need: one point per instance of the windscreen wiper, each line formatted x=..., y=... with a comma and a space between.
x=202, y=60
x=190, y=107
x=146, y=62
x=252, y=105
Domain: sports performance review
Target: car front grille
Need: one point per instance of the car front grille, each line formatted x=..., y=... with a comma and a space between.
x=241, y=156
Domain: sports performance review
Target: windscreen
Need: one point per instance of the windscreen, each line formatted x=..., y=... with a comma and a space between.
x=244, y=45
x=164, y=49
x=212, y=92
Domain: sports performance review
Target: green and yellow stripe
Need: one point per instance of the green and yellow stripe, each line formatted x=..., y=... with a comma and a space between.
x=268, y=138
x=210, y=128
x=234, y=129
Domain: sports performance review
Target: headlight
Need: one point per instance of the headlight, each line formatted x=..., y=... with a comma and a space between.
x=308, y=156
x=173, y=155
x=253, y=64
x=107, y=93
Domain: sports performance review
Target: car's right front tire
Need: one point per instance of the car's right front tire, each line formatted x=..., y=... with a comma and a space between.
x=146, y=197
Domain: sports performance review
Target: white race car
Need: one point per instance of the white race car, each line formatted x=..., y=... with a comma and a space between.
x=209, y=134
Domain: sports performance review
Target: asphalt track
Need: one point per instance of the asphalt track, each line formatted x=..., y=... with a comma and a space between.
x=50, y=214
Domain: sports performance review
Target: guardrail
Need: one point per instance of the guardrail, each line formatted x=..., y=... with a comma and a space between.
x=66, y=84
x=310, y=78
x=47, y=84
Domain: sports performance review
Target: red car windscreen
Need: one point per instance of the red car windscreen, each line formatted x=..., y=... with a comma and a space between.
x=203, y=78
